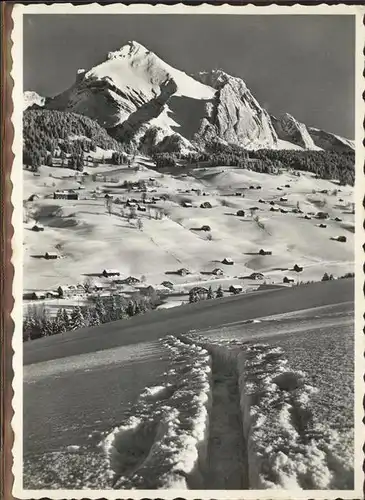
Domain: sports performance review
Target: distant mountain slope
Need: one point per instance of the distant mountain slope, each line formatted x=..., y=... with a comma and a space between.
x=140, y=99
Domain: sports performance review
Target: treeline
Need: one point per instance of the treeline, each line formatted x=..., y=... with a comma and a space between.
x=38, y=323
x=325, y=164
x=46, y=130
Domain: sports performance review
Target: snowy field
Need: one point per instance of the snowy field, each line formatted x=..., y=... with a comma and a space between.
x=263, y=404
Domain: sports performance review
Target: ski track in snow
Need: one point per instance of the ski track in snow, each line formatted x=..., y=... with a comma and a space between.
x=227, y=414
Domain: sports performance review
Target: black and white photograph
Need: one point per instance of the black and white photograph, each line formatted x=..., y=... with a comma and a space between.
x=188, y=207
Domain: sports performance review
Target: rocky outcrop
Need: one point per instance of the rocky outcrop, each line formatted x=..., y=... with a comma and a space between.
x=32, y=100
x=330, y=142
x=289, y=129
x=234, y=114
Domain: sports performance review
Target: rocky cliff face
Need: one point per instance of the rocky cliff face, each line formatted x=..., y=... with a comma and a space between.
x=289, y=129
x=330, y=142
x=234, y=115
x=139, y=98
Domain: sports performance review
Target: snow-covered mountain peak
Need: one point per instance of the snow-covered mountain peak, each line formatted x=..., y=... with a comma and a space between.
x=130, y=49
x=217, y=78
x=32, y=98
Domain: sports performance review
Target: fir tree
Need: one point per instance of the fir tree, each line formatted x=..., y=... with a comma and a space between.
x=131, y=308
x=219, y=292
x=100, y=309
x=210, y=293
x=94, y=318
x=66, y=320
x=77, y=319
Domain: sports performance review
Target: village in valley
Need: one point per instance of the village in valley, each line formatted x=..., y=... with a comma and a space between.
x=158, y=237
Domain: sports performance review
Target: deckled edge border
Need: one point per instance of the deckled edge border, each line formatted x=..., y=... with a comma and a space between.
x=12, y=244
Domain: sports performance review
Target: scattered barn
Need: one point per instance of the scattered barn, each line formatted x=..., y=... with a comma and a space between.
x=265, y=252
x=274, y=209
x=297, y=269
x=107, y=273
x=256, y=276
x=283, y=198
x=141, y=208
x=183, y=271
x=262, y=201
x=338, y=219
x=283, y=211
x=50, y=255
x=131, y=280
x=324, y=191
x=308, y=217
x=287, y=185
x=217, y=271
x=240, y=213
x=272, y=203
x=279, y=188
x=341, y=239
x=288, y=280
x=252, y=187
x=258, y=187
x=69, y=194
x=235, y=289
x=168, y=284
x=33, y=295
x=322, y=215
x=228, y=261
x=205, y=228
x=322, y=225
x=187, y=204
x=37, y=227
x=205, y=204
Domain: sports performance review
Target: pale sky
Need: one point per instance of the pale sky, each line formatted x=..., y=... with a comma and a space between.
x=303, y=65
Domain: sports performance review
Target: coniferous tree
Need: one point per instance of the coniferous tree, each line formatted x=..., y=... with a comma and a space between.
x=66, y=320
x=131, y=308
x=101, y=310
x=210, y=293
x=219, y=292
x=77, y=319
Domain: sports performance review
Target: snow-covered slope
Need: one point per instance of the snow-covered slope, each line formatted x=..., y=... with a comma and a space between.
x=140, y=98
x=328, y=141
x=32, y=98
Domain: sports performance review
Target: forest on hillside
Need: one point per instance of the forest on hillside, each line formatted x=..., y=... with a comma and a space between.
x=46, y=130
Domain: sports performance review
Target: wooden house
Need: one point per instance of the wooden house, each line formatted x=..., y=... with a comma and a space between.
x=206, y=204
x=167, y=284
x=240, y=213
x=107, y=273
x=37, y=227
x=218, y=271
x=235, y=289
x=228, y=261
x=51, y=255
x=183, y=271
x=288, y=280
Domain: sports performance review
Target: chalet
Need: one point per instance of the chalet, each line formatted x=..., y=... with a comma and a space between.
x=240, y=213
x=322, y=225
x=272, y=203
x=50, y=255
x=217, y=271
x=67, y=290
x=258, y=187
x=205, y=228
x=340, y=199
x=287, y=185
x=52, y=295
x=147, y=290
x=97, y=287
x=65, y=195
x=235, y=289
x=110, y=272
x=288, y=280
x=187, y=204
x=252, y=187
x=279, y=188
x=130, y=204
x=199, y=290
x=33, y=197
x=183, y=271
x=264, y=252
x=228, y=261
x=322, y=215
x=256, y=276
x=283, y=198
x=167, y=284
x=307, y=217
x=156, y=198
x=141, y=208
x=206, y=204
x=324, y=191
x=131, y=280
x=297, y=268
x=283, y=211
x=274, y=209
x=338, y=219
x=108, y=196
x=37, y=227
x=253, y=209
x=262, y=201
x=238, y=194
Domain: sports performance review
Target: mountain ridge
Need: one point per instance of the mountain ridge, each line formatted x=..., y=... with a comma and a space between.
x=140, y=99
